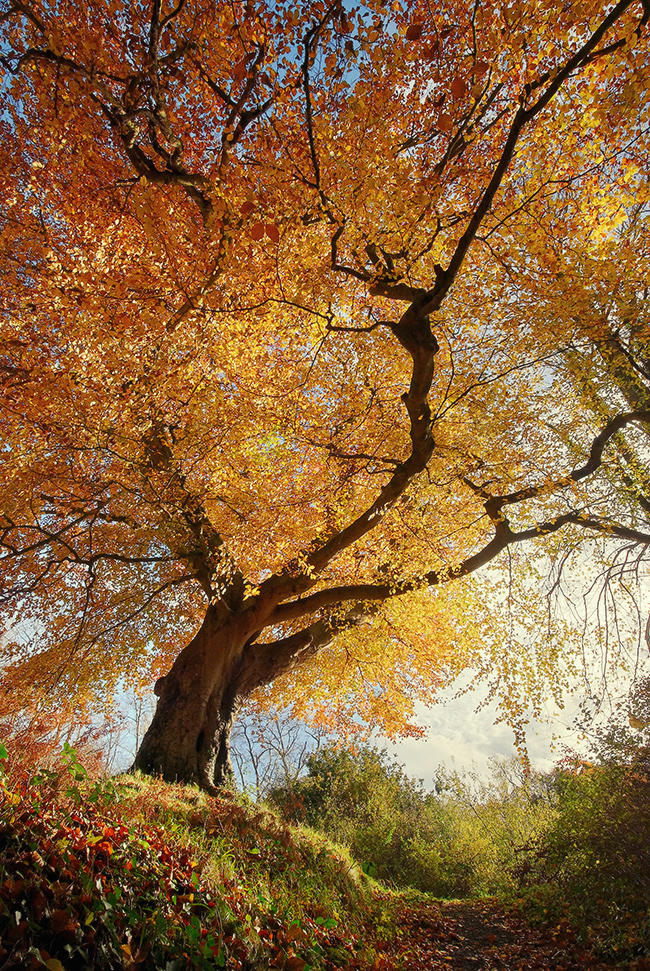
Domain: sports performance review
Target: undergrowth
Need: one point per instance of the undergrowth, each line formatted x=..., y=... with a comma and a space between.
x=134, y=873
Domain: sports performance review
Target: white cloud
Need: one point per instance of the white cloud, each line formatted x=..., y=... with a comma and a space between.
x=460, y=737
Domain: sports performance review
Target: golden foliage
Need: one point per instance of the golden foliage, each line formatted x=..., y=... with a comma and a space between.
x=209, y=214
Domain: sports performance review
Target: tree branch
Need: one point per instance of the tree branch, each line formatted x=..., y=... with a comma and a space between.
x=503, y=536
x=594, y=462
x=265, y=662
x=522, y=117
x=413, y=331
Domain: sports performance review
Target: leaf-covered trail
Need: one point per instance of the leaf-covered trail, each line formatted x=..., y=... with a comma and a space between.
x=474, y=935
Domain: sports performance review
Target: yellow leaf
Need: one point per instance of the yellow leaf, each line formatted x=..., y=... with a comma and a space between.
x=638, y=723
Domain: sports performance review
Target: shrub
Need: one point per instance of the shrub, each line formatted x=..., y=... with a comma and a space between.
x=457, y=842
x=592, y=865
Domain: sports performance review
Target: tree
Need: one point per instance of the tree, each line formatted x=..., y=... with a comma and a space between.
x=266, y=383
x=271, y=749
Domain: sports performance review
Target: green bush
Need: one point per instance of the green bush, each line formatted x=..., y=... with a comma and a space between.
x=592, y=865
x=390, y=824
x=493, y=819
x=457, y=842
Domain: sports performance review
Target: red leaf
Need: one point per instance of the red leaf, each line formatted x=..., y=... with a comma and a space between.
x=247, y=208
x=11, y=889
x=257, y=231
x=414, y=31
x=272, y=232
x=445, y=122
x=458, y=88
x=62, y=924
x=39, y=904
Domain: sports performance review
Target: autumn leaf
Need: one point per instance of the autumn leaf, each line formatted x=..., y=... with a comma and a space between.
x=239, y=69
x=272, y=232
x=343, y=23
x=63, y=925
x=637, y=723
x=414, y=31
x=458, y=88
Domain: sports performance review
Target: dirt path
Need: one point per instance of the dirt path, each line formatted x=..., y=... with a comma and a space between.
x=478, y=935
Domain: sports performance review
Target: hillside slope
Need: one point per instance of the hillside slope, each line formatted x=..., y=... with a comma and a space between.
x=140, y=874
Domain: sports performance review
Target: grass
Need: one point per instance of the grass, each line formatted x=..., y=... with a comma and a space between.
x=135, y=873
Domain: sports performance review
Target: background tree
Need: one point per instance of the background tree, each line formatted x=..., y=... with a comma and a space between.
x=270, y=319
x=272, y=749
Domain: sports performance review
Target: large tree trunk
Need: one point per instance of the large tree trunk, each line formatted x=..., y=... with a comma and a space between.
x=189, y=737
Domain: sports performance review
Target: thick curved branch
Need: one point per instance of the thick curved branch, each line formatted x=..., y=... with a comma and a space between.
x=414, y=333
x=504, y=537
x=603, y=526
x=265, y=662
x=367, y=592
x=299, y=575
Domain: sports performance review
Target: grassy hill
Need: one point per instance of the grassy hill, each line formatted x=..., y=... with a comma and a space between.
x=136, y=873
x=133, y=873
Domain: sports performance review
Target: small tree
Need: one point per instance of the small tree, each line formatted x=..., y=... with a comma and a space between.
x=272, y=749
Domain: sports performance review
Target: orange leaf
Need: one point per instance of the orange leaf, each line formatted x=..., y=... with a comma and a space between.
x=239, y=69
x=272, y=232
x=414, y=31
x=294, y=963
x=445, y=122
x=458, y=88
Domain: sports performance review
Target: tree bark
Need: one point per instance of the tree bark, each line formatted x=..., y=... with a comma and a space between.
x=189, y=737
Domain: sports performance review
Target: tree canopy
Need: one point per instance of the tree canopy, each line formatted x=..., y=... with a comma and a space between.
x=297, y=305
